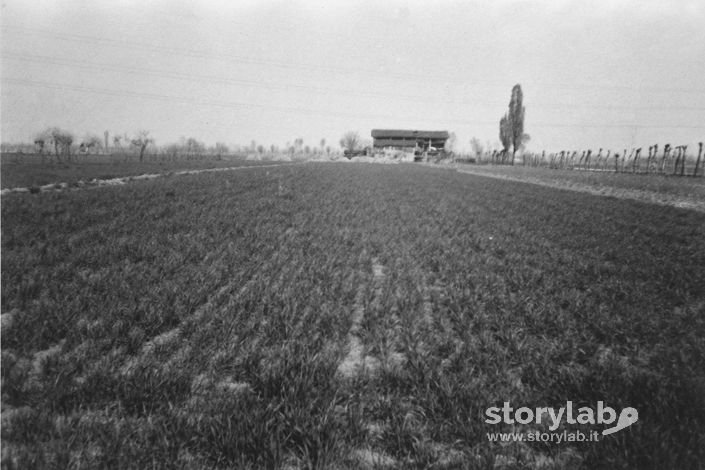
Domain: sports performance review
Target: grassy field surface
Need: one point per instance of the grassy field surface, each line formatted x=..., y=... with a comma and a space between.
x=345, y=316
x=31, y=171
x=665, y=189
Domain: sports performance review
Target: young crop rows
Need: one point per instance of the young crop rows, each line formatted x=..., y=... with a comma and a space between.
x=344, y=316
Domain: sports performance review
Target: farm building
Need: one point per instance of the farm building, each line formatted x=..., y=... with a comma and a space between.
x=405, y=139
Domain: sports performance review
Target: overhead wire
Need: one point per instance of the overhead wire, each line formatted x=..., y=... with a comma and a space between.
x=238, y=59
x=300, y=110
x=316, y=89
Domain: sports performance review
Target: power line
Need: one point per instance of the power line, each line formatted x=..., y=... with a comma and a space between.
x=299, y=110
x=181, y=52
x=259, y=84
x=179, y=99
x=303, y=66
x=215, y=79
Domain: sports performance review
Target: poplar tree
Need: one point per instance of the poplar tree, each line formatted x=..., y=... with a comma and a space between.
x=516, y=118
x=511, y=126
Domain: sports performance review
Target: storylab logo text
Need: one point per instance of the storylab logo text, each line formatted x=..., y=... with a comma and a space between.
x=554, y=417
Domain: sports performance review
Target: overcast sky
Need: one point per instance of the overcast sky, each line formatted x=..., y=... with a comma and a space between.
x=610, y=74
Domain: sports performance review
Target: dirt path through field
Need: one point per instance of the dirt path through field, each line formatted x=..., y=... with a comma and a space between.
x=97, y=183
x=654, y=197
x=356, y=359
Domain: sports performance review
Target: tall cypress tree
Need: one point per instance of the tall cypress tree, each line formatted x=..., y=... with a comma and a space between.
x=516, y=118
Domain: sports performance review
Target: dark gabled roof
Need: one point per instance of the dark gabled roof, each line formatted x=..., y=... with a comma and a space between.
x=391, y=133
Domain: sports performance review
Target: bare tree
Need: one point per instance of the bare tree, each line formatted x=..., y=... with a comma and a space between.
x=62, y=141
x=51, y=133
x=193, y=147
x=616, y=162
x=221, y=149
x=141, y=141
x=89, y=143
x=172, y=151
x=42, y=141
x=350, y=141
x=666, y=152
x=477, y=148
x=680, y=159
x=55, y=137
x=66, y=140
x=117, y=141
x=39, y=145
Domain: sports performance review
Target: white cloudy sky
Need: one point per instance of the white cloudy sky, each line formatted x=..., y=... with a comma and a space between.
x=595, y=74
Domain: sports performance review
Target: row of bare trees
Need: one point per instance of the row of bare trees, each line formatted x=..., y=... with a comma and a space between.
x=56, y=143
x=671, y=160
x=59, y=145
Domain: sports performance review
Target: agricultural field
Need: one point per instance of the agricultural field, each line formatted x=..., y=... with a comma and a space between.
x=671, y=190
x=29, y=170
x=327, y=315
